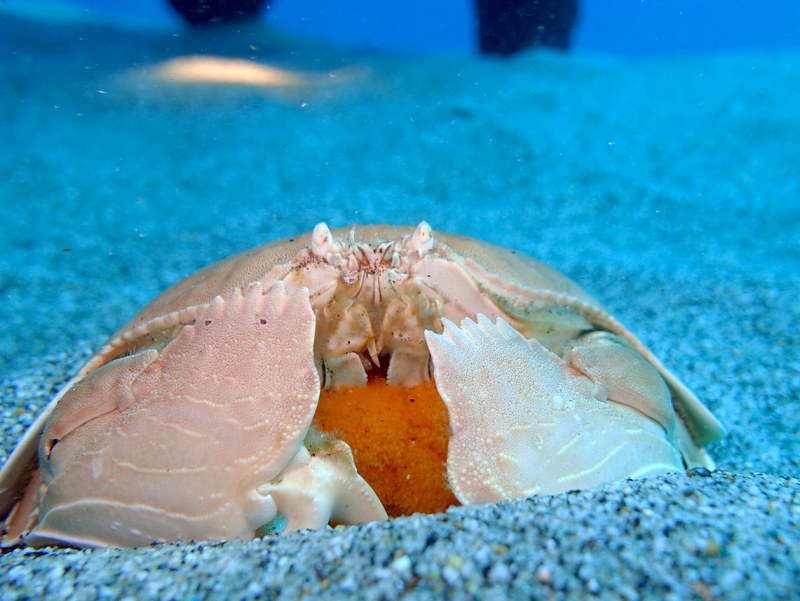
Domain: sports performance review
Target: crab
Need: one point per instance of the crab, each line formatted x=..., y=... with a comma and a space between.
x=347, y=377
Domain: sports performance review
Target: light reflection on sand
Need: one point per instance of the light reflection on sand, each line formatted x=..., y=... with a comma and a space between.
x=215, y=69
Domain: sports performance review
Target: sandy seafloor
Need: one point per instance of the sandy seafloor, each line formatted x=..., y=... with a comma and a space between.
x=670, y=188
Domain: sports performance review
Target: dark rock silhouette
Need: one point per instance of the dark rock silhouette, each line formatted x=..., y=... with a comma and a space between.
x=210, y=12
x=507, y=26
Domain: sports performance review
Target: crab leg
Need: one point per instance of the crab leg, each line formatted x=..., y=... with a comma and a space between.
x=315, y=489
x=523, y=422
x=628, y=378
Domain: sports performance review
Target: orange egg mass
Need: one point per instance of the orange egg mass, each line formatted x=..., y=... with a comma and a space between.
x=399, y=440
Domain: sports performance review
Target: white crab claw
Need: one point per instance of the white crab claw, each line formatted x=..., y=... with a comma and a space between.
x=229, y=401
x=524, y=423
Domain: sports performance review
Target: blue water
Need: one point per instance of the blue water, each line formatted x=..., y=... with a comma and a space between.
x=619, y=27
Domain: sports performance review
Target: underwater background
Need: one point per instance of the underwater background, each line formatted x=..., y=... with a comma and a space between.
x=656, y=163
